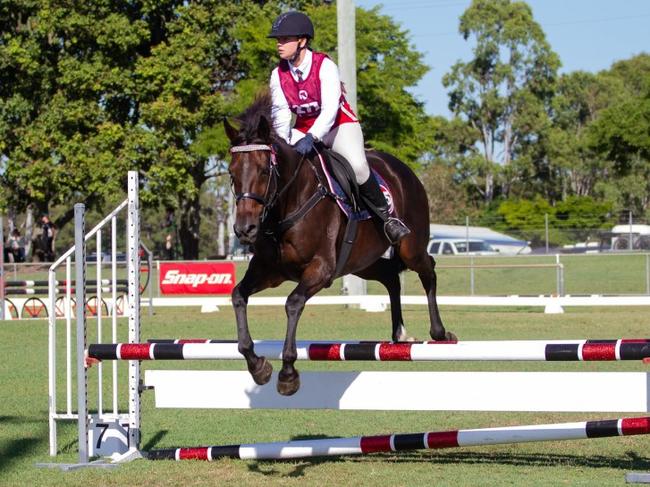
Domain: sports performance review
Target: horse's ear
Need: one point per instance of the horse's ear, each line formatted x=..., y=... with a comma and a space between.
x=231, y=131
x=264, y=129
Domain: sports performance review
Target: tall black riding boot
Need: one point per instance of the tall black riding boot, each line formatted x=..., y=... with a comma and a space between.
x=394, y=228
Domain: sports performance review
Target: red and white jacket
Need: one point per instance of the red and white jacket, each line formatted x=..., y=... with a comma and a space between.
x=317, y=101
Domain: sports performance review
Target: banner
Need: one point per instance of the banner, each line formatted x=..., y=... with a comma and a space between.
x=197, y=277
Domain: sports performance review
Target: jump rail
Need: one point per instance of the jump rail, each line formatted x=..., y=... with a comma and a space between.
x=413, y=441
x=525, y=350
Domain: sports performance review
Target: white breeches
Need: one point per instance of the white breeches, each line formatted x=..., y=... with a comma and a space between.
x=347, y=140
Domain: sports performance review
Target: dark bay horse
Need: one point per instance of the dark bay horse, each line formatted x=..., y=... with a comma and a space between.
x=273, y=185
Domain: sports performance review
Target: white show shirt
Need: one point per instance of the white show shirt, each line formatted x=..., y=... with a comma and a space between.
x=330, y=86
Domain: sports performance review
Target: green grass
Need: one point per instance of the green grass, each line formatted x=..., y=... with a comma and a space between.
x=583, y=274
x=23, y=408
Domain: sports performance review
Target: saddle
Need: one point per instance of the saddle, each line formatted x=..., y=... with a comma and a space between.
x=342, y=174
x=343, y=183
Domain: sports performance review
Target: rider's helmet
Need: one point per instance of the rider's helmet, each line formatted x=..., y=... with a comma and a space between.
x=292, y=24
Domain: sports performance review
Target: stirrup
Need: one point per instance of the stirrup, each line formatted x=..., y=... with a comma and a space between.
x=395, y=230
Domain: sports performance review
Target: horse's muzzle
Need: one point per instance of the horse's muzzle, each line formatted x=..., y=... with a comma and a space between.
x=246, y=234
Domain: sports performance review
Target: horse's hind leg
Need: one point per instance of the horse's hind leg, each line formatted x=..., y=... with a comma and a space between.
x=387, y=272
x=253, y=281
x=424, y=265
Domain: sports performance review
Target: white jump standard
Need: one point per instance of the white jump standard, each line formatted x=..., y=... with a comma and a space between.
x=414, y=441
x=529, y=350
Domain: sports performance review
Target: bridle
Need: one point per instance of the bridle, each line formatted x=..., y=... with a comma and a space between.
x=267, y=200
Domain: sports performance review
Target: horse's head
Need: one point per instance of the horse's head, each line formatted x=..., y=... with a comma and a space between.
x=254, y=175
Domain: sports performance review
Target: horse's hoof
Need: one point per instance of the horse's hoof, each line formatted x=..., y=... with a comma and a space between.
x=288, y=386
x=403, y=336
x=262, y=372
x=451, y=337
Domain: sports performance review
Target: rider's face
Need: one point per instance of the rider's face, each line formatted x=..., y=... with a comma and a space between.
x=287, y=46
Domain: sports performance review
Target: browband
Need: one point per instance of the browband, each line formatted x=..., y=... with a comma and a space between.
x=251, y=148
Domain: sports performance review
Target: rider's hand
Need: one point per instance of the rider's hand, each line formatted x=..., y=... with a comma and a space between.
x=305, y=145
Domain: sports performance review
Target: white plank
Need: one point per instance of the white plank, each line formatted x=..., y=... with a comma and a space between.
x=414, y=391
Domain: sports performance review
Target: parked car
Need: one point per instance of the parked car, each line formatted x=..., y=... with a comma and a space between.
x=458, y=246
x=504, y=244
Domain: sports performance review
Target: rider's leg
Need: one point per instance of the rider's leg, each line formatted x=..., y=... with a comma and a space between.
x=347, y=140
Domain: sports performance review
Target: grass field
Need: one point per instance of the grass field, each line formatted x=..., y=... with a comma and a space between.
x=24, y=433
x=618, y=273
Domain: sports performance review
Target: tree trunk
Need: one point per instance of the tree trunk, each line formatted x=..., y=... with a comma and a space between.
x=489, y=186
x=29, y=230
x=190, y=223
x=221, y=236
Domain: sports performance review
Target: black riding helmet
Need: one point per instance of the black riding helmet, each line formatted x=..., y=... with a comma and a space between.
x=292, y=24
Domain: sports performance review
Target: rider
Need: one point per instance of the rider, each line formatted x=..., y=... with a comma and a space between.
x=307, y=83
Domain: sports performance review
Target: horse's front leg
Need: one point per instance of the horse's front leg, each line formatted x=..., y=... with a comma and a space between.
x=257, y=278
x=315, y=277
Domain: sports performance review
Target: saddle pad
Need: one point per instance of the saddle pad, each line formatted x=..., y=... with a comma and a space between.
x=343, y=201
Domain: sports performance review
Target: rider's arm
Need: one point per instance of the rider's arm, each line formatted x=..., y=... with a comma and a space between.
x=280, y=112
x=330, y=88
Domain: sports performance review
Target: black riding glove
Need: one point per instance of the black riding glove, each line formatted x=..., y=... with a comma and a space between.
x=305, y=145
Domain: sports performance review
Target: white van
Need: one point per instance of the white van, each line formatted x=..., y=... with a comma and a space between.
x=458, y=246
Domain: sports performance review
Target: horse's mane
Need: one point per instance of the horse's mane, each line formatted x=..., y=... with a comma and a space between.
x=262, y=107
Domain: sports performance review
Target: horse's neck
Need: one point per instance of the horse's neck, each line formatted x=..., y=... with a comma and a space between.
x=299, y=187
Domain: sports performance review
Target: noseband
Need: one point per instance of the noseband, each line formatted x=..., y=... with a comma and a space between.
x=267, y=201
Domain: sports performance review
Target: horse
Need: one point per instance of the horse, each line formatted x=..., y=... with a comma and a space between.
x=295, y=230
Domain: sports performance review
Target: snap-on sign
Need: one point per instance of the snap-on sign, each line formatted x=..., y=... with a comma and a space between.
x=197, y=277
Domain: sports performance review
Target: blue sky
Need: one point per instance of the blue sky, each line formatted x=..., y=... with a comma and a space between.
x=588, y=35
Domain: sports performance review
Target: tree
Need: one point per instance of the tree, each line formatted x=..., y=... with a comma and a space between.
x=89, y=91
x=572, y=167
x=447, y=199
x=573, y=220
x=504, y=90
x=68, y=114
x=621, y=134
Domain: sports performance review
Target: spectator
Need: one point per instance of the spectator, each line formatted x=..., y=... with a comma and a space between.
x=47, y=238
x=15, y=247
x=169, y=247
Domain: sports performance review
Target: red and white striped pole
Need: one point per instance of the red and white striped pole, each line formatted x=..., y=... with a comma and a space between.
x=415, y=441
x=506, y=350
